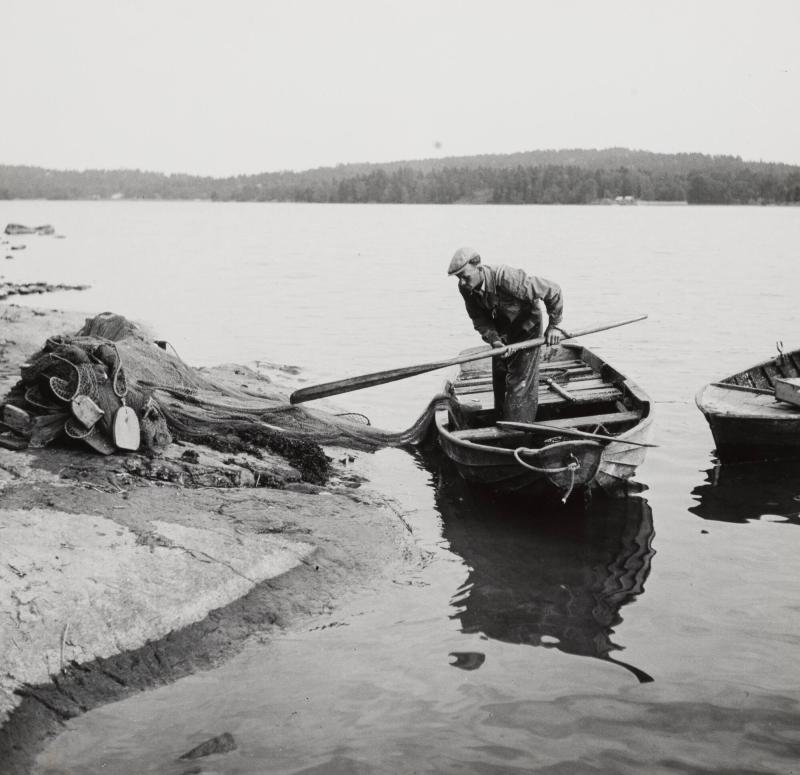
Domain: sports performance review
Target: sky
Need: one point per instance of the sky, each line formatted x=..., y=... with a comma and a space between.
x=219, y=88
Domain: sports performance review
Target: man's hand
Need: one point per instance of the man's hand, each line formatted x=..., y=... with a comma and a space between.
x=497, y=344
x=553, y=335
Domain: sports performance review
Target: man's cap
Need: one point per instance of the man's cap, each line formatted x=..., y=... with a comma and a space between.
x=461, y=258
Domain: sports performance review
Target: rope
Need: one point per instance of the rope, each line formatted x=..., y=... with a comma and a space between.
x=163, y=344
x=74, y=431
x=520, y=450
x=118, y=375
x=571, y=467
x=354, y=414
x=62, y=388
x=34, y=398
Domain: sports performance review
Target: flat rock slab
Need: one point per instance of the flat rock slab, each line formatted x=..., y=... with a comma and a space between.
x=106, y=588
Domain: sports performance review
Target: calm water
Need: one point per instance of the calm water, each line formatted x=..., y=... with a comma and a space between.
x=658, y=635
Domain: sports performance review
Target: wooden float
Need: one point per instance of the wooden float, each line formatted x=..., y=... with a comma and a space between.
x=590, y=432
x=747, y=419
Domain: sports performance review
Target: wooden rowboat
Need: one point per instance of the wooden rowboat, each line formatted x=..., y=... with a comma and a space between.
x=597, y=422
x=746, y=420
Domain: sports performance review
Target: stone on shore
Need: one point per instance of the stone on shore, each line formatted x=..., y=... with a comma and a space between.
x=220, y=744
x=74, y=587
x=19, y=229
x=26, y=289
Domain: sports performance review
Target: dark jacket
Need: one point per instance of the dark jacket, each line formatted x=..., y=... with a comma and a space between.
x=503, y=308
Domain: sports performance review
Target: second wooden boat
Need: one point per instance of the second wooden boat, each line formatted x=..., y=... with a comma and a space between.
x=747, y=421
x=597, y=423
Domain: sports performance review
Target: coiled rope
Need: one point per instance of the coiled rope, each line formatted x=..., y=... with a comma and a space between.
x=572, y=467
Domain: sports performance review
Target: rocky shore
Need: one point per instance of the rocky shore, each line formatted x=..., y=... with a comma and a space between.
x=119, y=573
x=26, y=289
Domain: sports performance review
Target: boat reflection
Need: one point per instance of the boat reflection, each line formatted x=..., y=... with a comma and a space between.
x=741, y=492
x=554, y=580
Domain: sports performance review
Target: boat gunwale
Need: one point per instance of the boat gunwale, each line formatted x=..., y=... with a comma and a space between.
x=792, y=414
x=622, y=382
x=728, y=379
x=474, y=445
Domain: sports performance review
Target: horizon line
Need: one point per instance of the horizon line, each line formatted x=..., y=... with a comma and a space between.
x=397, y=161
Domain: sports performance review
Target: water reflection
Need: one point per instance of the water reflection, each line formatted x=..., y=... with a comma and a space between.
x=740, y=492
x=556, y=580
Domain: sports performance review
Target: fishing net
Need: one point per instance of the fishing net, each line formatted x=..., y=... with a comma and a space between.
x=111, y=363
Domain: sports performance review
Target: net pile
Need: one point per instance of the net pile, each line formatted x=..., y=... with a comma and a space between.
x=115, y=364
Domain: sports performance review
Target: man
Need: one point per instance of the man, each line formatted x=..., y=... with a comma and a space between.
x=503, y=304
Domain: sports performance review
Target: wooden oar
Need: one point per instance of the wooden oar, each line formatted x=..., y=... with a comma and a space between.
x=390, y=375
x=541, y=426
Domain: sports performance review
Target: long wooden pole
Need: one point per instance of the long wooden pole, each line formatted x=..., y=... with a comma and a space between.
x=542, y=426
x=391, y=375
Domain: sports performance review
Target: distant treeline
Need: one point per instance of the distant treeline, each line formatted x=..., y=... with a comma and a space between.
x=533, y=177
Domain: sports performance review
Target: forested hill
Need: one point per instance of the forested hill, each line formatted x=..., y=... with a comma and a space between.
x=533, y=177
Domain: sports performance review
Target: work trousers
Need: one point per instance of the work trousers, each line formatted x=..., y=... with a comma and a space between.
x=515, y=382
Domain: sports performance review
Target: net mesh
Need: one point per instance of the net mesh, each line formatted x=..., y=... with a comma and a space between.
x=115, y=363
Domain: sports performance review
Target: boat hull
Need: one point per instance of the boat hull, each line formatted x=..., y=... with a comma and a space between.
x=738, y=438
x=608, y=468
x=746, y=420
x=551, y=462
x=500, y=470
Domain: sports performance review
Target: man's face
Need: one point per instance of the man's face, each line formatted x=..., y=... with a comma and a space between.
x=469, y=278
